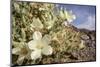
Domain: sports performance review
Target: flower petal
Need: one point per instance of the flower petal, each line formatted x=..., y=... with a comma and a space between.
x=37, y=23
x=36, y=54
x=20, y=59
x=32, y=44
x=46, y=39
x=66, y=23
x=47, y=50
x=70, y=20
x=37, y=35
x=16, y=50
x=74, y=17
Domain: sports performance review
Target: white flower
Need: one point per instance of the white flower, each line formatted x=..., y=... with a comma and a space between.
x=22, y=50
x=64, y=14
x=40, y=45
x=69, y=16
x=66, y=23
x=37, y=23
x=61, y=12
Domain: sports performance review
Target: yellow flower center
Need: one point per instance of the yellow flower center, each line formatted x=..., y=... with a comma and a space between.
x=24, y=51
x=40, y=45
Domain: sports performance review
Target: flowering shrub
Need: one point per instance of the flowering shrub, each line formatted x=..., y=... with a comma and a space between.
x=41, y=36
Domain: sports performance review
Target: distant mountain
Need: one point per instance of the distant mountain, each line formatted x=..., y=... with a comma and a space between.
x=90, y=33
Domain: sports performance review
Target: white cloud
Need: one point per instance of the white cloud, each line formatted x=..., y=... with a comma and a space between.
x=89, y=23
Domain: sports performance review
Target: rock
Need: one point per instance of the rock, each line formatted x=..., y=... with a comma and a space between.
x=85, y=37
x=92, y=37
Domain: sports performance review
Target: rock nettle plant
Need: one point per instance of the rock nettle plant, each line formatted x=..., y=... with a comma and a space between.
x=42, y=35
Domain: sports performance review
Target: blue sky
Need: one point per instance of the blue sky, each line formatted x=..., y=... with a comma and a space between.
x=85, y=15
